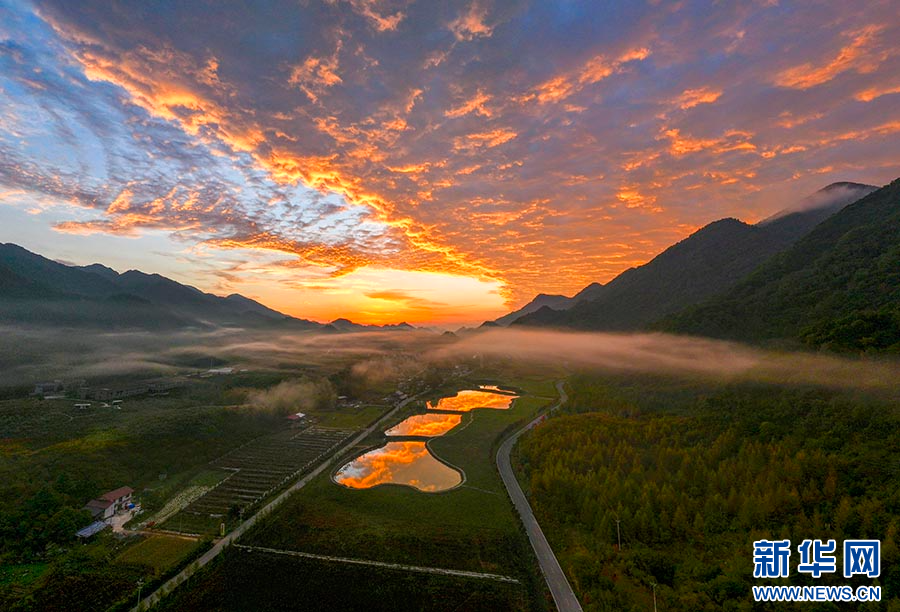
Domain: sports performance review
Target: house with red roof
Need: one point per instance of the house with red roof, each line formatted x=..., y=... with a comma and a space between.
x=107, y=505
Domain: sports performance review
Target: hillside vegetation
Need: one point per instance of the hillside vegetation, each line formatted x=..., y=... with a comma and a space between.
x=837, y=288
x=707, y=263
x=693, y=484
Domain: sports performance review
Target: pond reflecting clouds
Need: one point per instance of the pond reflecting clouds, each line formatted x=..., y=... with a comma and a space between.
x=407, y=463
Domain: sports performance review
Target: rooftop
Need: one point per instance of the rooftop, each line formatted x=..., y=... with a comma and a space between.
x=117, y=493
x=91, y=529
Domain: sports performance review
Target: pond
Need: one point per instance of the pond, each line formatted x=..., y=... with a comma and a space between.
x=408, y=463
x=467, y=400
x=431, y=424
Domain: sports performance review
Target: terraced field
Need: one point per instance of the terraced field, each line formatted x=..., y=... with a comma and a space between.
x=257, y=469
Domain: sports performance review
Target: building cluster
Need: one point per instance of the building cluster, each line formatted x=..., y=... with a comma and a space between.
x=57, y=388
x=78, y=388
x=105, y=394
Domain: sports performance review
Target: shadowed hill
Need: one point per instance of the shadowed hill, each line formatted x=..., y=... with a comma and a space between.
x=707, y=263
x=838, y=287
x=38, y=291
x=554, y=302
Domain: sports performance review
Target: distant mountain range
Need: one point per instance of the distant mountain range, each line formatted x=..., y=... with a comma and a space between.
x=35, y=290
x=707, y=263
x=554, y=302
x=346, y=325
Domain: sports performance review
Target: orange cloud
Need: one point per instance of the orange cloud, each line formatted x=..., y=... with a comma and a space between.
x=471, y=23
x=867, y=95
x=633, y=198
x=474, y=104
x=493, y=138
x=733, y=140
x=375, y=14
x=316, y=74
x=861, y=55
x=592, y=71
x=694, y=97
x=512, y=176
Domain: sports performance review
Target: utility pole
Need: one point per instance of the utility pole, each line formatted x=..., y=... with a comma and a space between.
x=140, y=584
x=654, y=596
x=619, y=532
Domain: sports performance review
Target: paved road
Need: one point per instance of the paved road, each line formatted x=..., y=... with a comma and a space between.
x=152, y=599
x=562, y=592
x=396, y=566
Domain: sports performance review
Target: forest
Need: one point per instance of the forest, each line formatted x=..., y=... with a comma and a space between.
x=693, y=474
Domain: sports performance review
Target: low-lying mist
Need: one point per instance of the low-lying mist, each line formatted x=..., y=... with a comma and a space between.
x=292, y=396
x=27, y=356
x=684, y=355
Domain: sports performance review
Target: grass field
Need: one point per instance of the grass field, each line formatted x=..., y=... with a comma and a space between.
x=252, y=581
x=350, y=418
x=157, y=553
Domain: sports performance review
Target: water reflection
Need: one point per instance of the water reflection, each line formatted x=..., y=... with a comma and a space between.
x=493, y=388
x=467, y=400
x=425, y=425
x=409, y=463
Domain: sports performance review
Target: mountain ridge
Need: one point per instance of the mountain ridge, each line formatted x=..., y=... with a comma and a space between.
x=838, y=287
x=36, y=290
x=707, y=262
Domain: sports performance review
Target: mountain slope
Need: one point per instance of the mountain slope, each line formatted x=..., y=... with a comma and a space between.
x=36, y=290
x=45, y=274
x=839, y=286
x=707, y=263
x=553, y=302
x=556, y=302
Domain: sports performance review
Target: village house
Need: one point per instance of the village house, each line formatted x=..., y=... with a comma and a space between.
x=107, y=505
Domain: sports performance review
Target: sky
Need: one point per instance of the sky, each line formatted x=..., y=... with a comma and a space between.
x=389, y=160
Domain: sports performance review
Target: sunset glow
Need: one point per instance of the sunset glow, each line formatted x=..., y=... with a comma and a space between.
x=399, y=160
x=425, y=425
x=407, y=463
x=467, y=400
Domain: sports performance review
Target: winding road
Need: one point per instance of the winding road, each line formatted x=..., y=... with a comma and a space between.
x=562, y=592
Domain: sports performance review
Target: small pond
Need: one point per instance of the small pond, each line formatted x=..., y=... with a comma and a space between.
x=467, y=400
x=408, y=463
x=431, y=424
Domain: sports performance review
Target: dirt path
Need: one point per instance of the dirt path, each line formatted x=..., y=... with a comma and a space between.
x=396, y=566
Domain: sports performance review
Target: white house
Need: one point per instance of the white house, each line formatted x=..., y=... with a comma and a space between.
x=109, y=503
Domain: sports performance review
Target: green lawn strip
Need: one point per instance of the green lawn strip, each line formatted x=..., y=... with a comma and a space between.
x=157, y=553
x=349, y=417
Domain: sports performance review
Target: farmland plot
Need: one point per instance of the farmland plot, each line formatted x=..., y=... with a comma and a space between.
x=257, y=469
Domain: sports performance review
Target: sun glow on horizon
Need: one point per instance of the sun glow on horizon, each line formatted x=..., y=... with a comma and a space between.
x=378, y=296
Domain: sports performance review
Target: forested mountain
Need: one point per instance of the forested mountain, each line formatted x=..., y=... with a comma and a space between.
x=707, y=263
x=38, y=291
x=838, y=287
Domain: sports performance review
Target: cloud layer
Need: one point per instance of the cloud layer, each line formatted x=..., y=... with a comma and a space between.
x=540, y=145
